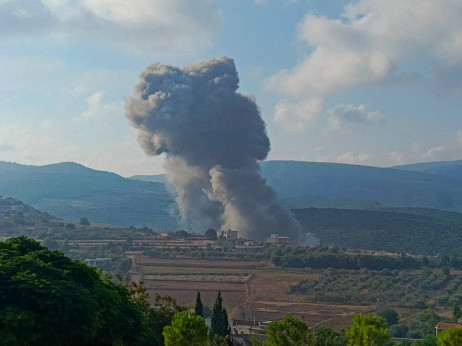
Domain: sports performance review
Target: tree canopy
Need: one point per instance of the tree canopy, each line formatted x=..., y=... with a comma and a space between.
x=47, y=298
x=219, y=322
x=186, y=329
x=199, y=308
x=368, y=331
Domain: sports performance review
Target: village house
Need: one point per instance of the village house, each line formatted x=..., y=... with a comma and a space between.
x=101, y=263
x=275, y=239
x=228, y=234
x=443, y=326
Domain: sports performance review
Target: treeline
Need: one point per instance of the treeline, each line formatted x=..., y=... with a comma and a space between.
x=48, y=299
x=322, y=257
x=387, y=287
x=407, y=230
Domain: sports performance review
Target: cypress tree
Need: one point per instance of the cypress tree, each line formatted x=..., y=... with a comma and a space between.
x=219, y=322
x=199, y=308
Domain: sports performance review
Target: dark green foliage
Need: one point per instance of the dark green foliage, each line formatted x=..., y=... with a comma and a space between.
x=186, y=329
x=387, y=287
x=199, y=308
x=451, y=337
x=69, y=190
x=48, y=299
x=368, y=330
x=219, y=323
x=456, y=313
x=424, y=324
x=398, y=330
x=181, y=234
x=407, y=230
x=390, y=315
x=211, y=234
x=84, y=221
x=70, y=227
x=322, y=257
x=288, y=332
x=328, y=337
x=445, y=271
x=429, y=340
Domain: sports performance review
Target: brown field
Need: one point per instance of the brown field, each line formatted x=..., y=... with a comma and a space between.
x=250, y=289
x=191, y=262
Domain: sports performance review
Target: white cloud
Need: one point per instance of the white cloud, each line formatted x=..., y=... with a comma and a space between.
x=295, y=116
x=352, y=158
x=343, y=116
x=459, y=137
x=374, y=38
x=396, y=158
x=137, y=25
x=372, y=41
x=97, y=109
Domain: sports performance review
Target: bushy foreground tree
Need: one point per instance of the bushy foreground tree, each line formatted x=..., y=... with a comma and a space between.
x=48, y=299
x=451, y=337
x=294, y=332
x=368, y=331
x=290, y=331
x=186, y=329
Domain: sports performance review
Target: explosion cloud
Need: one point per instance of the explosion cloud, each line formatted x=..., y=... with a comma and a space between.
x=213, y=138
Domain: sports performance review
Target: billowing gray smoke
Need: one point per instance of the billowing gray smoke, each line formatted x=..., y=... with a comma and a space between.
x=213, y=138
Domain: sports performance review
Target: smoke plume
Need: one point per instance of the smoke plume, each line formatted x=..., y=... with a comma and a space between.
x=213, y=138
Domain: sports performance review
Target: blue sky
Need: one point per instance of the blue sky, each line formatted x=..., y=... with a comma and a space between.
x=366, y=82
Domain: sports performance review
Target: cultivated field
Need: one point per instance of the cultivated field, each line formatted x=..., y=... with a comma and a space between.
x=250, y=289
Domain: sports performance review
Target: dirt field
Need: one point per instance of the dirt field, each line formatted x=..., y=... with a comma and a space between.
x=250, y=289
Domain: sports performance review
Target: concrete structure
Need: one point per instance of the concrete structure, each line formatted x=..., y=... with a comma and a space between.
x=443, y=326
x=228, y=234
x=243, y=331
x=275, y=239
x=102, y=263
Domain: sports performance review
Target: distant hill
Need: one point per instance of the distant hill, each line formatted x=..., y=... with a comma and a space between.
x=388, y=186
x=71, y=191
x=301, y=184
x=408, y=230
x=157, y=178
x=452, y=169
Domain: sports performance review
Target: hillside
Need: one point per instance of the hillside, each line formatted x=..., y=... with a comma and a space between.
x=391, y=187
x=302, y=184
x=409, y=230
x=71, y=191
x=451, y=169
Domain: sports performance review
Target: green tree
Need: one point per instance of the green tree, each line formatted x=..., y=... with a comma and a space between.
x=186, y=329
x=451, y=337
x=424, y=324
x=456, y=313
x=199, y=308
x=219, y=321
x=390, y=315
x=328, y=337
x=70, y=227
x=288, y=332
x=211, y=234
x=48, y=299
x=181, y=234
x=84, y=221
x=429, y=340
x=368, y=331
